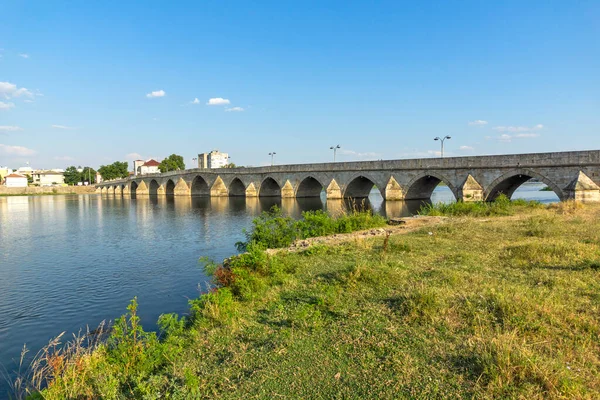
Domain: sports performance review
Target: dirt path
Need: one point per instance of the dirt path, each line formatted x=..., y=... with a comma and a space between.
x=405, y=225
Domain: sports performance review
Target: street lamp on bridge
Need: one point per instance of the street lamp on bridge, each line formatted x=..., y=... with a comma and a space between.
x=334, y=148
x=442, y=141
x=194, y=159
x=272, y=155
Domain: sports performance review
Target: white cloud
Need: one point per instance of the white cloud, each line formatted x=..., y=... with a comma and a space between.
x=15, y=150
x=505, y=138
x=235, y=109
x=478, y=122
x=134, y=156
x=62, y=127
x=516, y=129
x=368, y=154
x=6, y=106
x=195, y=101
x=9, y=90
x=63, y=158
x=466, y=148
x=9, y=128
x=218, y=101
x=155, y=94
x=23, y=55
x=526, y=135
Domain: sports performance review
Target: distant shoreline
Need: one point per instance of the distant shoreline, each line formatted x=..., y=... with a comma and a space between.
x=45, y=191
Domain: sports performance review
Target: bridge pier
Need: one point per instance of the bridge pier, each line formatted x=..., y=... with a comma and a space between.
x=287, y=191
x=251, y=190
x=118, y=191
x=470, y=190
x=161, y=191
x=333, y=191
x=582, y=189
x=219, y=189
x=182, y=188
x=142, y=189
x=393, y=190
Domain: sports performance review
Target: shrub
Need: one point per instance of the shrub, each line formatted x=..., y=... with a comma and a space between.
x=273, y=230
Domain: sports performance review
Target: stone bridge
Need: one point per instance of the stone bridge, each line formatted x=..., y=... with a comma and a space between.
x=571, y=175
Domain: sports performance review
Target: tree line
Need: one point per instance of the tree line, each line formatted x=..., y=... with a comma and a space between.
x=74, y=175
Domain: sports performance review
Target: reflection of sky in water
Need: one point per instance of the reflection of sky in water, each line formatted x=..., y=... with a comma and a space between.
x=68, y=261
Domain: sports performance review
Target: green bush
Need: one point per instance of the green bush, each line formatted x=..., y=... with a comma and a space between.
x=272, y=230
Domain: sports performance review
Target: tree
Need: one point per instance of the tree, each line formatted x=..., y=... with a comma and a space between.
x=115, y=170
x=88, y=175
x=172, y=163
x=72, y=176
x=230, y=165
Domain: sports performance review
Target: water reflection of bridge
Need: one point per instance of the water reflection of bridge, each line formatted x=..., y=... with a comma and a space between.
x=232, y=206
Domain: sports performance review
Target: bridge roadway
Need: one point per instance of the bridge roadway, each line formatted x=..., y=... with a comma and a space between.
x=571, y=175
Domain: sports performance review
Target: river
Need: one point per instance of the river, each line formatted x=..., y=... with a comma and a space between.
x=75, y=260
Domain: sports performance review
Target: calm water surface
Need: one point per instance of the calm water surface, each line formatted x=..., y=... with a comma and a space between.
x=71, y=261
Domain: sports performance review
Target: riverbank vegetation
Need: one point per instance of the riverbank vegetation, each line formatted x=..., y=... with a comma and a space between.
x=495, y=307
x=274, y=230
x=501, y=206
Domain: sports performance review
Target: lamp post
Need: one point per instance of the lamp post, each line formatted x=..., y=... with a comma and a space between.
x=194, y=159
x=442, y=141
x=272, y=155
x=334, y=148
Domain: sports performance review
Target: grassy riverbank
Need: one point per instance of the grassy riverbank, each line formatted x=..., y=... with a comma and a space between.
x=484, y=307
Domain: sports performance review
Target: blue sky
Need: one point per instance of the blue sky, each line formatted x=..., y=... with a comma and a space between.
x=381, y=79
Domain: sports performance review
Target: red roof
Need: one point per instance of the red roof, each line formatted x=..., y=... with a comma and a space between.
x=15, y=176
x=151, y=163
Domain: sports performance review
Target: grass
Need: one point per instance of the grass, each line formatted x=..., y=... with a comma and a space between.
x=503, y=307
x=501, y=206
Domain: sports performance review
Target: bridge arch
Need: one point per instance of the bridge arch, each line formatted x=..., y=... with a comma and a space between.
x=360, y=186
x=237, y=188
x=510, y=181
x=133, y=187
x=310, y=187
x=422, y=187
x=269, y=188
x=170, y=188
x=153, y=188
x=200, y=187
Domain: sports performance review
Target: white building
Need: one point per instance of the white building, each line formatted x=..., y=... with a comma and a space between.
x=145, y=167
x=48, y=178
x=16, y=180
x=214, y=159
